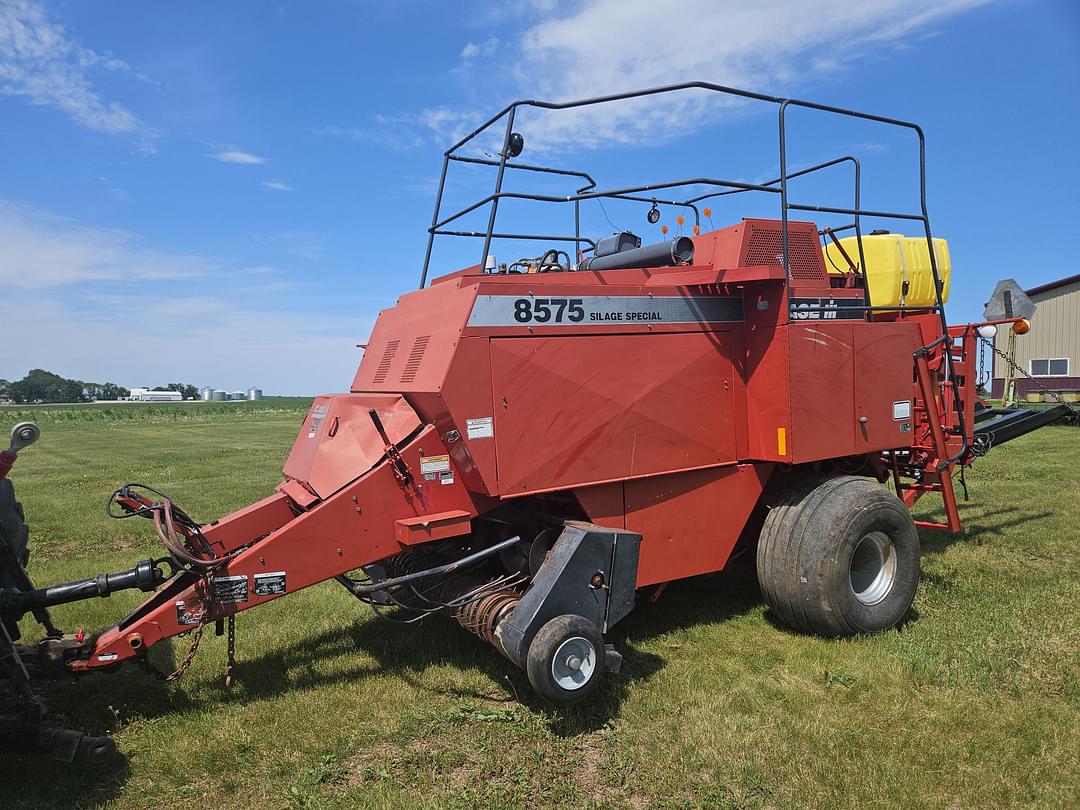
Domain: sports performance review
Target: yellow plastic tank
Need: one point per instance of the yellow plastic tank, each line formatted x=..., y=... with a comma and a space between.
x=898, y=270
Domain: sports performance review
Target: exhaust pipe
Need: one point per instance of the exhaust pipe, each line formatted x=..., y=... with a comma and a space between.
x=679, y=250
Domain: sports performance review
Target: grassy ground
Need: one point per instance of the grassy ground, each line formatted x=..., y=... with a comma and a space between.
x=974, y=702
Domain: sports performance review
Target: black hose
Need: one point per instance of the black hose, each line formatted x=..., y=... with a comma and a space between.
x=358, y=589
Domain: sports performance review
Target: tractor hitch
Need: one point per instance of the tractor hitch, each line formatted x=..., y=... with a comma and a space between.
x=147, y=575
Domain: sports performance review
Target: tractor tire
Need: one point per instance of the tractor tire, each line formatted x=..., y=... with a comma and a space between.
x=566, y=659
x=839, y=557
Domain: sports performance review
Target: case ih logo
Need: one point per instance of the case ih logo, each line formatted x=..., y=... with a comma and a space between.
x=826, y=309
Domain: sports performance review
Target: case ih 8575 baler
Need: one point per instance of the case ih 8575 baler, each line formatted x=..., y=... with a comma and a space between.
x=524, y=448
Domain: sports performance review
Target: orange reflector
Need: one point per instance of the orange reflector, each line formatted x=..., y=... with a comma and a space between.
x=680, y=219
x=781, y=442
x=707, y=212
x=1022, y=326
x=663, y=229
x=697, y=230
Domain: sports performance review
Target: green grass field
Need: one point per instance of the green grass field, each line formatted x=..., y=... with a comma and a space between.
x=973, y=702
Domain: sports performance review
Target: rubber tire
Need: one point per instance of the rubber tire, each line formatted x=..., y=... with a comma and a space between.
x=542, y=651
x=805, y=551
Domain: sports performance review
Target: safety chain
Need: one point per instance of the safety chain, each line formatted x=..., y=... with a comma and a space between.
x=230, y=666
x=1053, y=394
x=178, y=673
x=189, y=658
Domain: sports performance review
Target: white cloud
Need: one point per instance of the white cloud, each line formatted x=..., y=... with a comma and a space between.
x=450, y=125
x=473, y=50
x=598, y=47
x=334, y=131
x=207, y=340
x=396, y=133
x=276, y=185
x=39, y=61
x=39, y=250
x=236, y=156
x=80, y=297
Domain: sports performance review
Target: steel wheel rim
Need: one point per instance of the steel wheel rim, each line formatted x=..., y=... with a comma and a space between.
x=574, y=663
x=872, y=570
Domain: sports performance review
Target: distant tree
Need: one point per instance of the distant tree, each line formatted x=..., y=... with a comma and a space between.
x=44, y=386
x=4, y=386
x=161, y=388
x=186, y=390
x=113, y=391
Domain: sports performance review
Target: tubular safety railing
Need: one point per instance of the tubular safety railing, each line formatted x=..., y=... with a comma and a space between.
x=777, y=186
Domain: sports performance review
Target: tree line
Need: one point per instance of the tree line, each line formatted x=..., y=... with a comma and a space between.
x=44, y=386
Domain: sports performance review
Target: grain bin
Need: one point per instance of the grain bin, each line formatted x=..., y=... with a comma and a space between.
x=237, y=395
x=254, y=393
x=217, y=395
x=206, y=393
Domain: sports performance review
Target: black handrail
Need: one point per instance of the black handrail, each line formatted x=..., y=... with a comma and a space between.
x=510, y=112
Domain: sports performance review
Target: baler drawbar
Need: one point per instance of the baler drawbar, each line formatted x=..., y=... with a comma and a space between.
x=525, y=447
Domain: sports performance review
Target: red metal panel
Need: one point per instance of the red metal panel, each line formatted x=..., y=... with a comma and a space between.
x=572, y=411
x=822, y=390
x=763, y=243
x=690, y=521
x=765, y=369
x=412, y=343
x=425, y=528
x=463, y=400
x=297, y=492
x=260, y=518
x=883, y=376
x=603, y=504
x=338, y=441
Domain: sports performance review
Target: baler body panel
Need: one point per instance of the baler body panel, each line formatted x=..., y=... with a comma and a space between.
x=690, y=521
x=338, y=441
x=574, y=411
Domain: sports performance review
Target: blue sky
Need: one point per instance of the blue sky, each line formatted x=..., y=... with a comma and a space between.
x=227, y=193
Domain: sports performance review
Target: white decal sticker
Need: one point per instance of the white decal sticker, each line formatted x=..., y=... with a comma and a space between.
x=901, y=410
x=446, y=477
x=480, y=428
x=185, y=616
x=108, y=656
x=229, y=589
x=828, y=309
x=317, y=417
x=434, y=464
x=270, y=584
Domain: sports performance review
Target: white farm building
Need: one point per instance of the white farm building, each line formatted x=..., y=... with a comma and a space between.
x=148, y=395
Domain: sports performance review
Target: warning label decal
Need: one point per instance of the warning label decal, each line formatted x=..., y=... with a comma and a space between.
x=317, y=417
x=480, y=428
x=434, y=464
